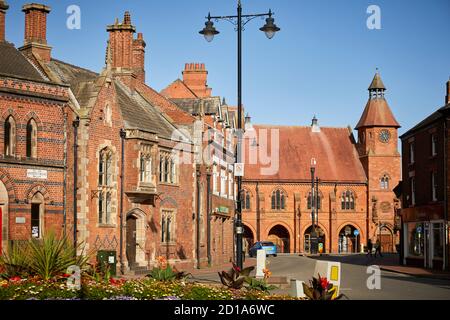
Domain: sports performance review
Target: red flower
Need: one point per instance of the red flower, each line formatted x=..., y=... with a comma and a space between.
x=324, y=283
x=236, y=268
x=65, y=275
x=15, y=279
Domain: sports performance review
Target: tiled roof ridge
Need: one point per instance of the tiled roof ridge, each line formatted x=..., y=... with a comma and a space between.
x=178, y=80
x=257, y=125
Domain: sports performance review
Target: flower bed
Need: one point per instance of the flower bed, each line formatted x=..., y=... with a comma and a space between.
x=143, y=289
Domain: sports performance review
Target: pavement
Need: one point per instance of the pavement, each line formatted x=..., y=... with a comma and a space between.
x=410, y=284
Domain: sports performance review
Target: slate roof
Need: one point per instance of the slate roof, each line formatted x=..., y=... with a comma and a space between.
x=333, y=148
x=14, y=64
x=70, y=74
x=194, y=106
x=138, y=113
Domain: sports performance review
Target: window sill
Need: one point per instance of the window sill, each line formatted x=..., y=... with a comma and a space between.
x=106, y=225
x=168, y=244
x=169, y=184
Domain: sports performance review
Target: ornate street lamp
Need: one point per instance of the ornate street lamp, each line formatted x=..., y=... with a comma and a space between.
x=209, y=31
x=313, y=237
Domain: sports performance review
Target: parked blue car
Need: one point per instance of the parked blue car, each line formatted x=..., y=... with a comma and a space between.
x=270, y=247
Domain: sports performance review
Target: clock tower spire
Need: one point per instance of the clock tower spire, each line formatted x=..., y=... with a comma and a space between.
x=378, y=151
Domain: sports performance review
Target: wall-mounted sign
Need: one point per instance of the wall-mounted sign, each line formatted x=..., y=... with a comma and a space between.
x=20, y=220
x=238, y=169
x=223, y=210
x=36, y=174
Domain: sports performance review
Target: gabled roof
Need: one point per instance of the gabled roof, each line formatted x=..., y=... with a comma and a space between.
x=333, y=148
x=14, y=64
x=70, y=74
x=377, y=114
x=138, y=113
x=178, y=89
x=166, y=106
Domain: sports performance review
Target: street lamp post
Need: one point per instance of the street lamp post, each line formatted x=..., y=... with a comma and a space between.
x=313, y=237
x=209, y=31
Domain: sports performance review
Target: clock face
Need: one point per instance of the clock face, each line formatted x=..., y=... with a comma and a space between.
x=385, y=135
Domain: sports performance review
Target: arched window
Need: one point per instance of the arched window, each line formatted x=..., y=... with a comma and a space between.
x=384, y=182
x=31, y=139
x=246, y=200
x=10, y=136
x=348, y=200
x=146, y=168
x=105, y=184
x=278, y=200
x=317, y=202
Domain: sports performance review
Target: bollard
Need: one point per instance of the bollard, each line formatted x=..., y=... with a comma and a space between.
x=297, y=289
x=260, y=263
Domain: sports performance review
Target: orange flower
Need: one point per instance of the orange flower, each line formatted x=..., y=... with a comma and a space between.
x=162, y=262
x=267, y=273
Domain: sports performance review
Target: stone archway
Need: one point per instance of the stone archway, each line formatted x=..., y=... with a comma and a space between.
x=135, y=238
x=3, y=217
x=249, y=236
x=349, y=239
x=321, y=239
x=280, y=236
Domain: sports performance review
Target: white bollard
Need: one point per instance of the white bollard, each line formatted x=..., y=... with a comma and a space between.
x=297, y=289
x=260, y=263
x=331, y=270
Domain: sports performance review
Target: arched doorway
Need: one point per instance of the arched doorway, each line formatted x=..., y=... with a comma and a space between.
x=37, y=215
x=248, y=236
x=279, y=235
x=386, y=239
x=3, y=217
x=320, y=237
x=135, y=239
x=349, y=240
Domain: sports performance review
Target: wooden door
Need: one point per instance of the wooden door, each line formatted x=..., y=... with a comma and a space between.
x=131, y=241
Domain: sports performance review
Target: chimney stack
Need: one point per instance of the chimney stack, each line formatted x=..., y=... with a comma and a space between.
x=447, y=97
x=121, y=42
x=35, y=42
x=139, y=57
x=3, y=8
x=195, y=77
x=122, y=53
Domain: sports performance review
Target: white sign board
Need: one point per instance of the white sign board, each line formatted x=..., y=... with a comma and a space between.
x=20, y=220
x=238, y=169
x=330, y=270
x=36, y=174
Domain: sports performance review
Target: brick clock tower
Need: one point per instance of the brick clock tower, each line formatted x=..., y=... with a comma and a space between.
x=378, y=152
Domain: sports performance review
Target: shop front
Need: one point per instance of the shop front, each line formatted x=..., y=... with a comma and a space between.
x=424, y=234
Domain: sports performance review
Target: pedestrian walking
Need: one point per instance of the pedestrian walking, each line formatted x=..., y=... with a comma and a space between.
x=369, y=248
x=378, y=248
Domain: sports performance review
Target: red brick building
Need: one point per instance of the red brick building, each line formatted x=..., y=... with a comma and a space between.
x=123, y=145
x=213, y=134
x=35, y=114
x=355, y=188
x=425, y=206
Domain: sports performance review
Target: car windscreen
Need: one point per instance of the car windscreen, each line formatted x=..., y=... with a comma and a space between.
x=267, y=244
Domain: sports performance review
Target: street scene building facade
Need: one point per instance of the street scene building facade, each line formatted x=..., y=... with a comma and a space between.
x=356, y=181
x=424, y=190
x=104, y=158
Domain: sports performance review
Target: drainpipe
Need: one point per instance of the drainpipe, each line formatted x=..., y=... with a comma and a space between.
x=65, y=176
x=76, y=124
x=198, y=217
x=122, y=178
x=208, y=212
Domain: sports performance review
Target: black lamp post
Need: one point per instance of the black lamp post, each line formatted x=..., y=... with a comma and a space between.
x=313, y=237
x=209, y=31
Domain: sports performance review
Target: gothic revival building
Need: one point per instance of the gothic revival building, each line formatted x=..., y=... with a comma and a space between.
x=101, y=157
x=355, y=200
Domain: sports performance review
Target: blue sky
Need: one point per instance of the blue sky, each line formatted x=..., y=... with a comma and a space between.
x=320, y=63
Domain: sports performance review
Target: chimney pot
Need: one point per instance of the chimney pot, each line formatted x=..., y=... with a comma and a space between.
x=3, y=8
x=195, y=78
x=127, y=18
